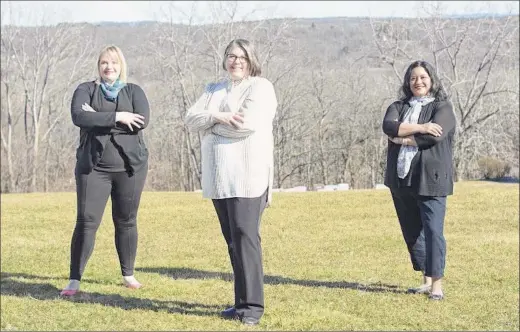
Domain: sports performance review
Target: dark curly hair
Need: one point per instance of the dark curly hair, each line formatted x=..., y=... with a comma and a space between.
x=437, y=90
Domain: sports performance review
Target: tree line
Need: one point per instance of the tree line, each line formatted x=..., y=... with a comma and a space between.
x=334, y=79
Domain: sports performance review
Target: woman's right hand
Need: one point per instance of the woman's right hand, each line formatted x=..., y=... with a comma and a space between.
x=87, y=108
x=130, y=119
x=232, y=119
x=431, y=128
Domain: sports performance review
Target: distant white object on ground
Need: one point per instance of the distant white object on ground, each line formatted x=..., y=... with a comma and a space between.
x=295, y=189
x=343, y=186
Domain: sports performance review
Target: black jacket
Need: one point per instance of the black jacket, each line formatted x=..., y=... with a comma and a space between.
x=433, y=171
x=98, y=127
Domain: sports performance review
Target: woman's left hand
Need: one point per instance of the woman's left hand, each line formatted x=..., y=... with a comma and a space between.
x=408, y=140
x=86, y=107
x=232, y=119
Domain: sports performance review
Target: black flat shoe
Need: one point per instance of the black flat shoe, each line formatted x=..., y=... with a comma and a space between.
x=250, y=321
x=229, y=313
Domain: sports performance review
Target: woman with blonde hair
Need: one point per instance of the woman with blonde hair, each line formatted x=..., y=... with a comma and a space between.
x=235, y=116
x=111, y=160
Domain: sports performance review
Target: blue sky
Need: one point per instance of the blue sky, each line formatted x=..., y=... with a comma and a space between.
x=52, y=12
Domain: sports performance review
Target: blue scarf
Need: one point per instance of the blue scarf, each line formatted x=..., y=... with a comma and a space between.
x=110, y=92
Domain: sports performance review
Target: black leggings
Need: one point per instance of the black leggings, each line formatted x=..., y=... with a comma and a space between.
x=93, y=190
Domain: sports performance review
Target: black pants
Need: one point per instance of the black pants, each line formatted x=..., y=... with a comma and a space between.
x=422, y=224
x=240, y=223
x=93, y=190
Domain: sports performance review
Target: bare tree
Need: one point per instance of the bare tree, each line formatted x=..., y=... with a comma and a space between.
x=39, y=57
x=189, y=56
x=467, y=54
x=8, y=89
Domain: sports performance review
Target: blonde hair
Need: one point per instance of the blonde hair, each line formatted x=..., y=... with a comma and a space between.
x=112, y=49
x=254, y=65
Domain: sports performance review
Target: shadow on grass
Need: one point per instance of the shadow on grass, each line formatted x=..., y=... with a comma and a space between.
x=506, y=179
x=45, y=291
x=66, y=279
x=187, y=273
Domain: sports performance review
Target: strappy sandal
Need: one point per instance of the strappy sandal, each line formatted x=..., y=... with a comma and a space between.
x=436, y=297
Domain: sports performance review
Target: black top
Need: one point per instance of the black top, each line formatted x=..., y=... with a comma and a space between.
x=104, y=144
x=431, y=172
x=112, y=159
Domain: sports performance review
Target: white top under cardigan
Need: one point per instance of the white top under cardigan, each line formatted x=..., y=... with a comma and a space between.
x=236, y=162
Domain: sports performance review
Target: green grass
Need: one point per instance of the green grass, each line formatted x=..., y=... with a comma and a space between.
x=332, y=261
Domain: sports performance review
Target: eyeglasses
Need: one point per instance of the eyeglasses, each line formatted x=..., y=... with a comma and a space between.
x=233, y=58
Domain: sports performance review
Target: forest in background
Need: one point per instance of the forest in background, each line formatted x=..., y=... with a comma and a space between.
x=334, y=79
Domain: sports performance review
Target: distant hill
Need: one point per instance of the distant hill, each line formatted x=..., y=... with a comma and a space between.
x=123, y=24
x=331, y=19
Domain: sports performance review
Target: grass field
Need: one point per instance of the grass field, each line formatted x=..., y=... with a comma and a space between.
x=332, y=261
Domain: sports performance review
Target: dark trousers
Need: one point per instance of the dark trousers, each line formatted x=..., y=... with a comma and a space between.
x=240, y=223
x=93, y=190
x=422, y=224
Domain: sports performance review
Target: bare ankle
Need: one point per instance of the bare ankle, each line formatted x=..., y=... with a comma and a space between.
x=73, y=285
x=427, y=280
x=436, y=285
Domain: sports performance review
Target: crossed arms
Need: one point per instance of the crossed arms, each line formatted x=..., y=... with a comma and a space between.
x=122, y=122
x=423, y=135
x=256, y=112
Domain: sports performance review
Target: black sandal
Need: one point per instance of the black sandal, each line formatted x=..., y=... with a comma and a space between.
x=419, y=290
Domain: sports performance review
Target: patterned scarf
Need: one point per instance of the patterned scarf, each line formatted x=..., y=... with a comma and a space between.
x=407, y=152
x=110, y=91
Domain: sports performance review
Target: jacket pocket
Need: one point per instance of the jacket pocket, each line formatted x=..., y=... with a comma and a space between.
x=142, y=146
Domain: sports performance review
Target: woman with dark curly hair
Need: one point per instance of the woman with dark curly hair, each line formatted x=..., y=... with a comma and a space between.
x=419, y=171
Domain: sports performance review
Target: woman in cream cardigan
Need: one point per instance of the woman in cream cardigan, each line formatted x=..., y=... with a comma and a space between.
x=235, y=116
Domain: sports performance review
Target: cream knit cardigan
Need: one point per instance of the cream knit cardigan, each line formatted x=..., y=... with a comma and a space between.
x=236, y=162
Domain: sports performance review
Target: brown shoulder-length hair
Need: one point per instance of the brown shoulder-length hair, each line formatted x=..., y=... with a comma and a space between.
x=114, y=51
x=249, y=50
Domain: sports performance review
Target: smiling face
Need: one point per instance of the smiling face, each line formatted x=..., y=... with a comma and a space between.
x=109, y=67
x=237, y=63
x=420, y=82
